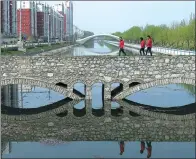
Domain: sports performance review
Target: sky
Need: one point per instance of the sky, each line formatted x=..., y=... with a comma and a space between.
x=112, y=16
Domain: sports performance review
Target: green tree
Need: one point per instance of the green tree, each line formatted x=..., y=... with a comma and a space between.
x=177, y=35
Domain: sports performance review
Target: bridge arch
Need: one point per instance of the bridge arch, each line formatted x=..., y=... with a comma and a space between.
x=41, y=112
x=150, y=84
x=84, y=40
x=77, y=80
x=157, y=115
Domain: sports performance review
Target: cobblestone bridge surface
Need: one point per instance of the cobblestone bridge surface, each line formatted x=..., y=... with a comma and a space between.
x=47, y=71
x=134, y=124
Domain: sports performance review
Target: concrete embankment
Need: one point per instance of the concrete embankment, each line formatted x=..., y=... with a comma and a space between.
x=53, y=52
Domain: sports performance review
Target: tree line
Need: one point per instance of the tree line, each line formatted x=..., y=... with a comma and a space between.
x=180, y=35
x=87, y=33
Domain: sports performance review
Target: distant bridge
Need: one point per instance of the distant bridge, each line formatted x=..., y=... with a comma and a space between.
x=84, y=40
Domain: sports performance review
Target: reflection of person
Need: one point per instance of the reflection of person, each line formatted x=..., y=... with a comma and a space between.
x=149, y=149
x=142, y=147
x=122, y=147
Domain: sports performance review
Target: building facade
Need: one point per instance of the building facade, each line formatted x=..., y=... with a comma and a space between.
x=25, y=22
x=28, y=19
x=69, y=20
x=40, y=24
x=38, y=19
x=60, y=8
x=9, y=95
x=9, y=18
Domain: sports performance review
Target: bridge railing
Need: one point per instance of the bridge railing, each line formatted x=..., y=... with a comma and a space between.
x=163, y=50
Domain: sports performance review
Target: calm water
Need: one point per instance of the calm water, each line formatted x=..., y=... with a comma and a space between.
x=24, y=96
x=97, y=150
x=94, y=48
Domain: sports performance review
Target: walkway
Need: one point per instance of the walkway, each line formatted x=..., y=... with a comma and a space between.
x=161, y=50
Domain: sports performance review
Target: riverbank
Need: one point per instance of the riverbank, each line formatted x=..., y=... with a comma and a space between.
x=56, y=51
x=39, y=49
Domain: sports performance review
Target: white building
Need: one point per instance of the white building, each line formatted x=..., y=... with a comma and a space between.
x=8, y=18
x=69, y=19
x=6, y=148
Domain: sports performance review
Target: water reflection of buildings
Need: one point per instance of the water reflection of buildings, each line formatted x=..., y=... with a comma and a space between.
x=23, y=89
x=89, y=44
x=6, y=148
x=12, y=95
x=9, y=95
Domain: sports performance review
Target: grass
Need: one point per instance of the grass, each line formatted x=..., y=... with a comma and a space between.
x=41, y=48
x=38, y=49
x=11, y=52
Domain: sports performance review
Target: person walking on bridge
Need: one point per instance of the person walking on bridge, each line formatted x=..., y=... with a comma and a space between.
x=121, y=46
x=149, y=45
x=142, y=44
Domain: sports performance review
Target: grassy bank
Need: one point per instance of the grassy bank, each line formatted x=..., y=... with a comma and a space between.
x=32, y=49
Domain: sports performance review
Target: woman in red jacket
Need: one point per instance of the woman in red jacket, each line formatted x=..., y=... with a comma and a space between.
x=142, y=44
x=149, y=45
x=121, y=46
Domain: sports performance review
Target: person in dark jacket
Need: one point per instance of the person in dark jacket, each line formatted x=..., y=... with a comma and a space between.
x=142, y=45
x=149, y=45
x=121, y=46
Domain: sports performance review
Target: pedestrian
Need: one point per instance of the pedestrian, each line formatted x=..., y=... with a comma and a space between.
x=142, y=44
x=121, y=46
x=142, y=147
x=149, y=149
x=149, y=45
x=122, y=147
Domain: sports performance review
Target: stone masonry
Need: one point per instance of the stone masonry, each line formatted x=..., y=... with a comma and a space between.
x=103, y=128
x=61, y=123
x=50, y=70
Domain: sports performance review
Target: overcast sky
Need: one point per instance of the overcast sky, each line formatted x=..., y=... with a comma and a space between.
x=112, y=16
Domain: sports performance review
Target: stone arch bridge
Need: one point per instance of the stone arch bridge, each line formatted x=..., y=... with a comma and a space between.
x=62, y=73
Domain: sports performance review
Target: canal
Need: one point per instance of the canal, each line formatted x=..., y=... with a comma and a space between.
x=30, y=96
x=94, y=48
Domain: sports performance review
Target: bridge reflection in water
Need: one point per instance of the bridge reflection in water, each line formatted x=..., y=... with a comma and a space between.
x=129, y=123
x=63, y=120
